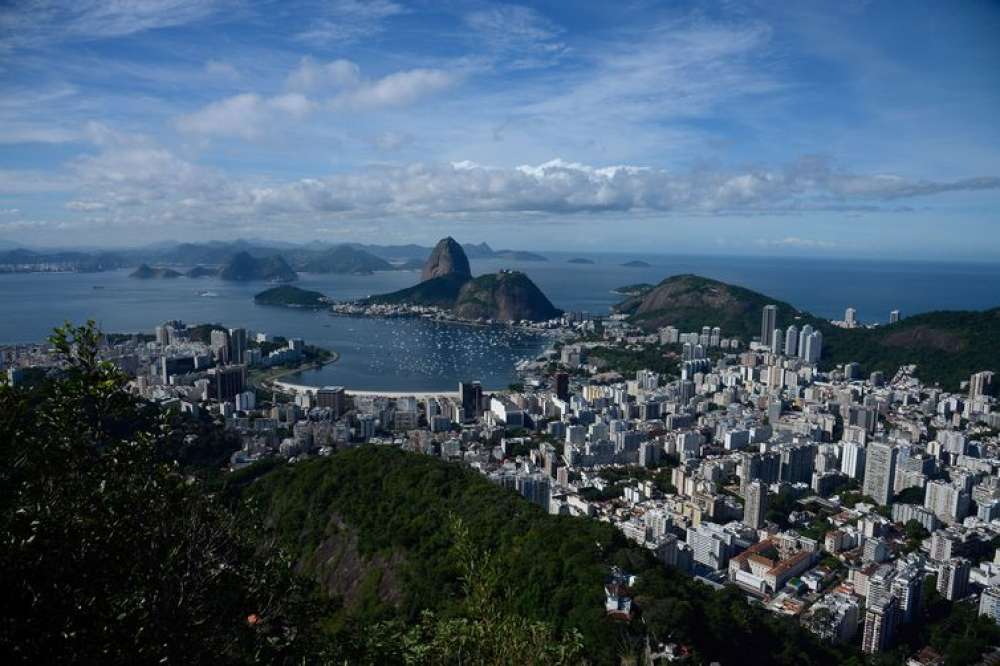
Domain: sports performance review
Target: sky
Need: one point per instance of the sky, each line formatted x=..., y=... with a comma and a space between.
x=847, y=129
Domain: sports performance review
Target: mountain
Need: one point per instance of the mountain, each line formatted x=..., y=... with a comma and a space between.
x=242, y=267
x=439, y=292
x=480, y=251
x=690, y=302
x=447, y=258
x=505, y=296
x=947, y=347
x=519, y=255
x=345, y=259
x=579, y=260
x=202, y=271
x=636, y=263
x=293, y=297
x=146, y=272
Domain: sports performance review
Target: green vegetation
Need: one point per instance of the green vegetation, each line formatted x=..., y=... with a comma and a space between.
x=109, y=554
x=637, y=289
x=289, y=296
x=436, y=292
x=628, y=361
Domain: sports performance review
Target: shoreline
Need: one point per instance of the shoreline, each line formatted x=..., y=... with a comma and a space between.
x=275, y=379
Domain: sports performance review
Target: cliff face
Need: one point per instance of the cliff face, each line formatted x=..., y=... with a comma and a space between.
x=448, y=258
x=243, y=267
x=506, y=296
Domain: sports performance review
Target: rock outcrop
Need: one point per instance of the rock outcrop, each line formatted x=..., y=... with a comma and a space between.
x=448, y=258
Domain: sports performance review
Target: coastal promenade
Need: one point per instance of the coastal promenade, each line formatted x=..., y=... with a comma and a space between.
x=289, y=387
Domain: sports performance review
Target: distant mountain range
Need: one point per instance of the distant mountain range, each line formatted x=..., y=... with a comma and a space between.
x=317, y=257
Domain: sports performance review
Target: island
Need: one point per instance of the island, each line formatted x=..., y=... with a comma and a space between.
x=345, y=260
x=147, y=272
x=202, y=271
x=636, y=263
x=579, y=260
x=291, y=297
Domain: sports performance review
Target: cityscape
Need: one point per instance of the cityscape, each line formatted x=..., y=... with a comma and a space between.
x=387, y=332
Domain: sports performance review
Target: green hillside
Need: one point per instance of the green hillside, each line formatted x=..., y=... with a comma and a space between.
x=289, y=296
x=380, y=516
x=436, y=292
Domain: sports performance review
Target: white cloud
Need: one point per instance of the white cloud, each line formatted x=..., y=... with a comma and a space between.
x=390, y=141
x=398, y=89
x=518, y=36
x=247, y=115
x=347, y=21
x=221, y=69
x=312, y=75
x=41, y=22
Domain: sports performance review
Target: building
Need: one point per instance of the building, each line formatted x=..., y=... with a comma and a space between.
x=237, y=345
x=220, y=346
x=332, y=397
x=813, y=349
x=852, y=460
x=768, y=322
x=893, y=316
x=981, y=384
x=850, y=317
x=562, y=385
x=989, y=603
x=880, y=472
x=227, y=382
x=948, y=502
x=880, y=623
x=471, y=394
x=756, y=505
x=953, y=578
x=792, y=341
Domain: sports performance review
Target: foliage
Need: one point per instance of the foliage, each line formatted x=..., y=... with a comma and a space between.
x=108, y=554
x=629, y=361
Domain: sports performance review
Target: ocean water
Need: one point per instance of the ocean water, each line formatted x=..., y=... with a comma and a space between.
x=412, y=355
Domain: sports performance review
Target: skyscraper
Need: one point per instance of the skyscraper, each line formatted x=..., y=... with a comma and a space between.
x=756, y=505
x=792, y=341
x=852, y=459
x=850, y=317
x=220, y=346
x=562, y=385
x=768, y=321
x=953, y=578
x=472, y=399
x=814, y=347
x=981, y=384
x=237, y=345
x=880, y=620
x=880, y=471
x=777, y=341
x=804, y=334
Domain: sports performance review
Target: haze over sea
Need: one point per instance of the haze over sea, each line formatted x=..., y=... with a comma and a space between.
x=412, y=355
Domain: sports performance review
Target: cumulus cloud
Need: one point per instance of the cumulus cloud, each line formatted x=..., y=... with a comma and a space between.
x=133, y=178
x=311, y=75
x=398, y=89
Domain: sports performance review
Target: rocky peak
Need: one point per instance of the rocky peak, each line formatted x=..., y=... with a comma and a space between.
x=448, y=258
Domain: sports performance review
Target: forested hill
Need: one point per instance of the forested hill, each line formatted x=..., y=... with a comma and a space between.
x=946, y=347
x=372, y=525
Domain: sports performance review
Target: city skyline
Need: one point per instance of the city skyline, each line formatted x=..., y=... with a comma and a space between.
x=863, y=130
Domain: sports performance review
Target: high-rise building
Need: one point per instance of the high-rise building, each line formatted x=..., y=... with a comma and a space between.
x=333, y=397
x=798, y=463
x=852, y=460
x=237, y=345
x=893, y=316
x=562, y=385
x=220, y=346
x=756, y=505
x=950, y=503
x=989, y=603
x=777, y=341
x=814, y=347
x=880, y=472
x=472, y=399
x=981, y=384
x=226, y=382
x=880, y=623
x=792, y=340
x=850, y=317
x=804, y=334
x=769, y=320
x=953, y=578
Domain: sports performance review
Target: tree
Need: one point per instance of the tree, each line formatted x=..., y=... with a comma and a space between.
x=108, y=554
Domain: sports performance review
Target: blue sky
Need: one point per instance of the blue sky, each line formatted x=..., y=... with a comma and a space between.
x=835, y=129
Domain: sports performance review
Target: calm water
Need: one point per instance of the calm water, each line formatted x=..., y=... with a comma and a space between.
x=418, y=355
